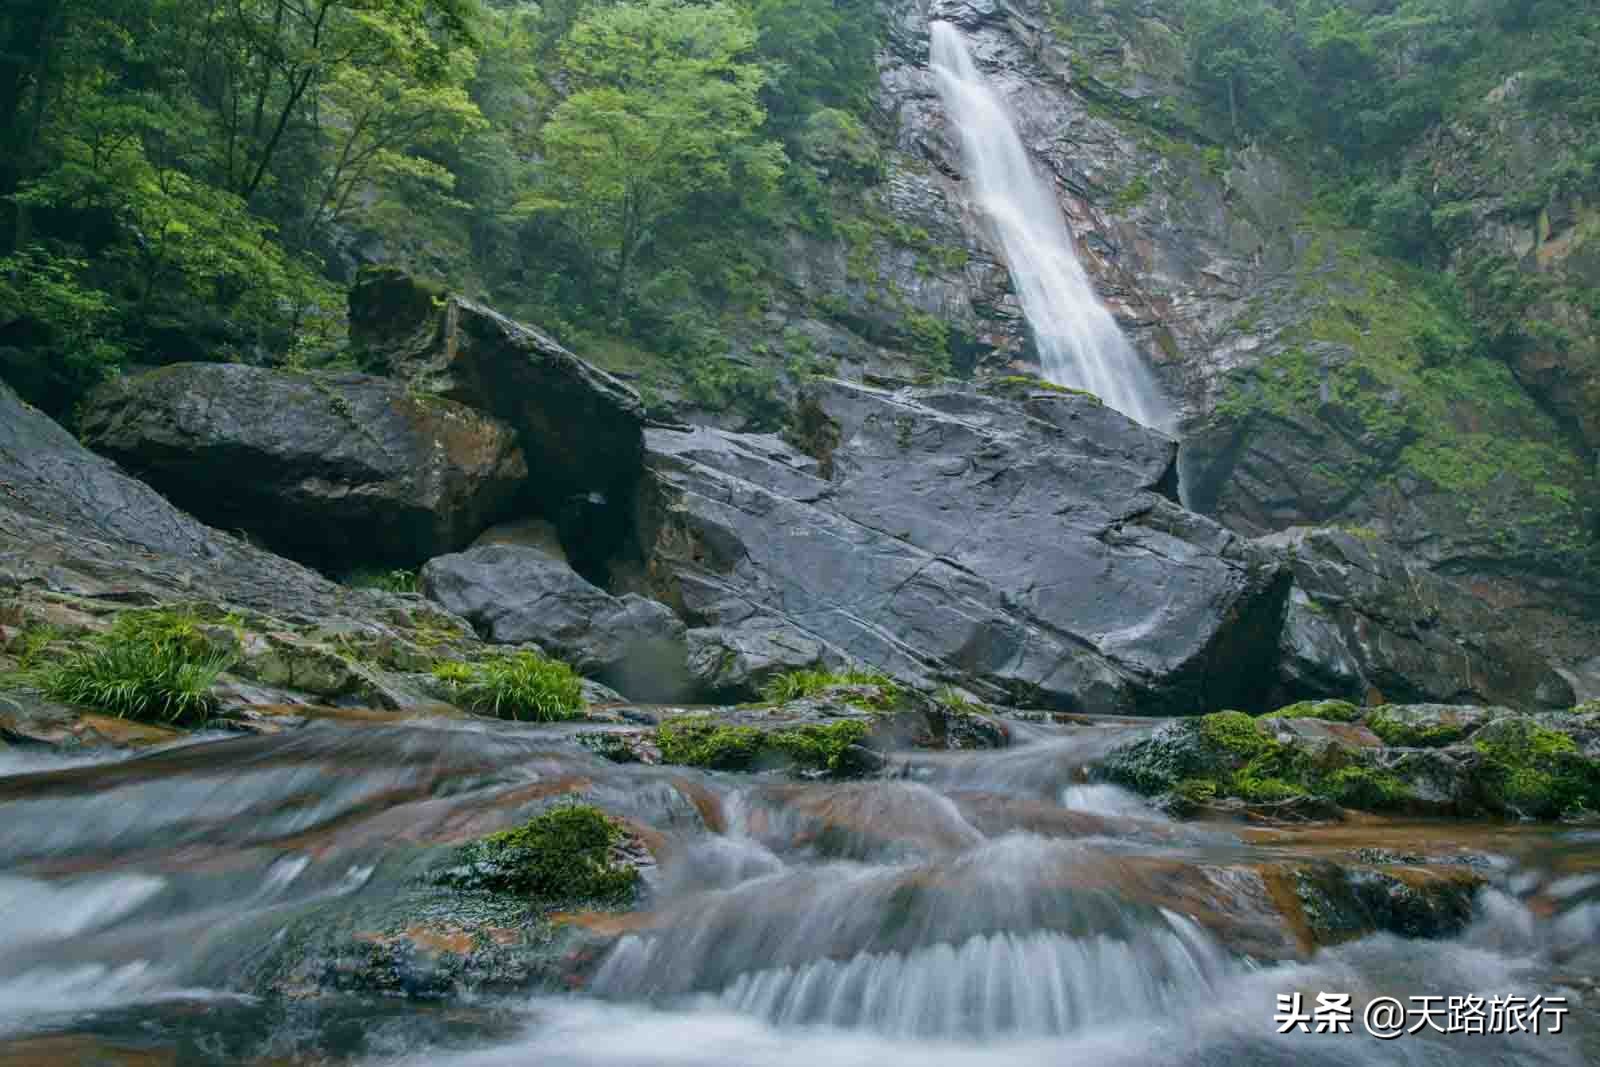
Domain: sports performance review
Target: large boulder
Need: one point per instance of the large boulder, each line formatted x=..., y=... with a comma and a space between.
x=516, y=594
x=72, y=522
x=1366, y=624
x=580, y=427
x=1029, y=550
x=336, y=470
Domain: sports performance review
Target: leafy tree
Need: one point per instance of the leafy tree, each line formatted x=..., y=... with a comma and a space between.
x=664, y=107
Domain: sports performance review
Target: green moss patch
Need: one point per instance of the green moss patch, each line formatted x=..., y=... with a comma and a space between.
x=1327, y=710
x=565, y=856
x=703, y=741
x=1534, y=771
x=1402, y=734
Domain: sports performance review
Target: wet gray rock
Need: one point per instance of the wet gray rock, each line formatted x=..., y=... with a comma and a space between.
x=1366, y=624
x=337, y=470
x=516, y=593
x=734, y=662
x=72, y=522
x=579, y=427
x=1029, y=551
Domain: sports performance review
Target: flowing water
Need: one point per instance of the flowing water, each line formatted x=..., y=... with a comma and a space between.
x=983, y=908
x=1079, y=342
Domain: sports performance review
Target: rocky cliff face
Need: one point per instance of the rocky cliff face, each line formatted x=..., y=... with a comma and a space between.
x=1320, y=382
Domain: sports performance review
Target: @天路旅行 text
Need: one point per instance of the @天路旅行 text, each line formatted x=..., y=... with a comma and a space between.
x=1389, y=1017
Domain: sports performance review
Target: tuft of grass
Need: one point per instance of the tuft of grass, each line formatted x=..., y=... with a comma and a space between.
x=797, y=685
x=391, y=581
x=563, y=856
x=31, y=644
x=953, y=700
x=522, y=685
x=137, y=679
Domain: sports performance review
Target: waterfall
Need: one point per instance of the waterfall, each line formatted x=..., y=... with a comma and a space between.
x=1080, y=344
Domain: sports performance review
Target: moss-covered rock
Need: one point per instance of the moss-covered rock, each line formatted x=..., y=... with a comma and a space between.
x=705, y=741
x=1329, y=710
x=566, y=856
x=1534, y=771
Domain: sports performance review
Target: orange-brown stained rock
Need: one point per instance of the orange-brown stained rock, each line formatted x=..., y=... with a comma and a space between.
x=705, y=802
x=80, y=1050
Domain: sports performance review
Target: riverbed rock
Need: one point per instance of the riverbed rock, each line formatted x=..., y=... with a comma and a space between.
x=1030, y=551
x=518, y=593
x=735, y=662
x=1430, y=759
x=337, y=470
x=1366, y=624
x=579, y=427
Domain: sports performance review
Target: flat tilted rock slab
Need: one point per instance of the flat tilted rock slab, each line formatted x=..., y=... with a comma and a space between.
x=1029, y=549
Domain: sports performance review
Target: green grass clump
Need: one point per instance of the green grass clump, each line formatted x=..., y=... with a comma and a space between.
x=561, y=857
x=153, y=665
x=1329, y=710
x=520, y=685
x=391, y=581
x=797, y=685
x=953, y=700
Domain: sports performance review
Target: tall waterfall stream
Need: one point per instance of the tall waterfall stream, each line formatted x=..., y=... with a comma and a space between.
x=1079, y=342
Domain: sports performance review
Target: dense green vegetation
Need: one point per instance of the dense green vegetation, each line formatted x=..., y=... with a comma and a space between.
x=198, y=180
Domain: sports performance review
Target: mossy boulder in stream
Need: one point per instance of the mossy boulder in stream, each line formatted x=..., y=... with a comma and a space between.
x=1425, y=759
x=568, y=855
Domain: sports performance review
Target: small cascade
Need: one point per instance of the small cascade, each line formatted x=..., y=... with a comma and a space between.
x=978, y=909
x=1080, y=344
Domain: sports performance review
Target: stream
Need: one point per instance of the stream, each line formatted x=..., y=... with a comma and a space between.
x=979, y=908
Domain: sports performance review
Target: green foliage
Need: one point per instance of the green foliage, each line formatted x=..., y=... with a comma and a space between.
x=152, y=665
x=956, y=702
x=563, y=857
x=390, y=581
x=797, y=685
x=518, y=685
x=664, y=107
x=1330, y=710
x=77, y=346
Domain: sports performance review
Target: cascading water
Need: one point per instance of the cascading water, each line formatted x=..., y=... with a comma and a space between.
x=976, y=909
x=1080, y=344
